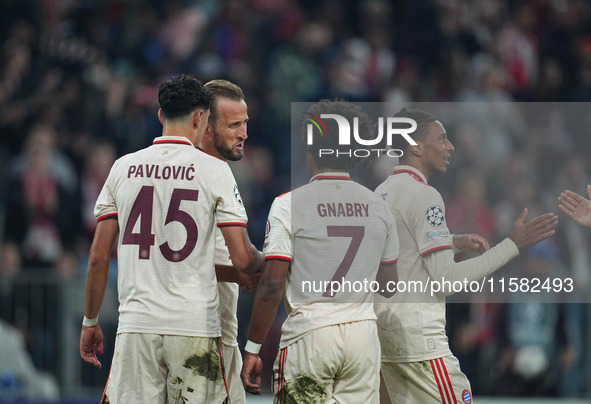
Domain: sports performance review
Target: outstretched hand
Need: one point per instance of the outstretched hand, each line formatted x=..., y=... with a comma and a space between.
x=91, y=344
x=576, y=206
x=252, y=367
x=471, y=243
x=526, y=235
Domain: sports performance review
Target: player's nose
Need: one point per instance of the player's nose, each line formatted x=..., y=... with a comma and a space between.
x=449, y=147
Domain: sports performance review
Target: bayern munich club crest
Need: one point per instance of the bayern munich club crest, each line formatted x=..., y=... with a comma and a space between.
x=466, y=396
x=434, y=216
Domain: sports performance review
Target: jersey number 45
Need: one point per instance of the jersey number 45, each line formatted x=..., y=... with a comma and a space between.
x=142, y=210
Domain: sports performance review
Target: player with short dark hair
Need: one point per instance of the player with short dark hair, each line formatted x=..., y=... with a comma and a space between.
x=166, y=200
x=330, y=230
x=417, y=364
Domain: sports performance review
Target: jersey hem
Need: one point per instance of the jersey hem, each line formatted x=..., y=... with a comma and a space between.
x=421, y=358
x=284, y=344
x=180, y=333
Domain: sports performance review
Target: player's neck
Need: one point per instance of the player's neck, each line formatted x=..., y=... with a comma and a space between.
x=416, y=163
x=180, y=131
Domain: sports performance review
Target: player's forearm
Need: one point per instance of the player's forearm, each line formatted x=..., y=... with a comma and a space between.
x=226, y=273
x=441, y=265
x=258, y=260
x=266, y=303
x=96, y=285
x=98, y=265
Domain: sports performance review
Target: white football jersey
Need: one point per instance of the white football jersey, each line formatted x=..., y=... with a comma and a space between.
x=228, y=294
x=413, y=327
x=167, y=199
x=331, y=229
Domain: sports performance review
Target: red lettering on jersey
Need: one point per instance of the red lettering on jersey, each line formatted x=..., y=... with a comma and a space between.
x=165, y=172
x=350, y=211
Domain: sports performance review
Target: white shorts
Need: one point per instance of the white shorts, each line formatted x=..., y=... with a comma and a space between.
x=232, y=367
x=158, y=369
x=432, y=381
x=334, y=364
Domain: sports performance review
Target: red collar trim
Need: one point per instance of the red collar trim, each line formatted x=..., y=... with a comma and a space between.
x=172, y=141
x=412, y=174
x=330, y=177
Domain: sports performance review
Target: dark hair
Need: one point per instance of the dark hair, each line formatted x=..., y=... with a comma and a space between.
x=422, y=118
x=330, y=140
x=181, y=95
x=222, y=89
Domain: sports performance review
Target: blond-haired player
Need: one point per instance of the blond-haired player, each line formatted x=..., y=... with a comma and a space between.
x=224, y=138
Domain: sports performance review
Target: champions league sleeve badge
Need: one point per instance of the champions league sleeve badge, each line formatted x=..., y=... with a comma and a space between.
x=434, y=216
x=237, y=195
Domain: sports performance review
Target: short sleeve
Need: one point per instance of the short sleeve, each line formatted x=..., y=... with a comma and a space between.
x=392, y=245
x=278, y=241
x=105, y=206
x=427, y=219
x=230, y=209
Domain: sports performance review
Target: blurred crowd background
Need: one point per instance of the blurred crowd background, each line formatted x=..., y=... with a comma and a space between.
x=78, y=89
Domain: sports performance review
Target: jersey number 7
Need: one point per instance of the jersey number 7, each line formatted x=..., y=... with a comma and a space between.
x=142, y=209
x=356, y=233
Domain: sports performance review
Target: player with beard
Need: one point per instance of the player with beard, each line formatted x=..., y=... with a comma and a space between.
x=166, y=200
x=224, y=138
x=417, y=364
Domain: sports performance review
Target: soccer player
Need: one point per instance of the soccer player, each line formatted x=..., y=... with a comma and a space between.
x=576, y=206
x=224, y=138
x=417, y=364
x=333, y=232
x=166, y=199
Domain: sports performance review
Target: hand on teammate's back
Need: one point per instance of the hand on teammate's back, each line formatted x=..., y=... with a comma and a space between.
x=527, y=234
x=576, y=206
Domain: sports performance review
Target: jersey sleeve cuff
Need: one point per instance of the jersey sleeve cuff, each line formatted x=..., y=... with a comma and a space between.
x=277, y=258
x=231, y=224
x=434, y=249
x=389, y=261
x=106, y=216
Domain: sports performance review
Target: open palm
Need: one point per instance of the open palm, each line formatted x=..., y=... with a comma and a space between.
x=576, y=206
